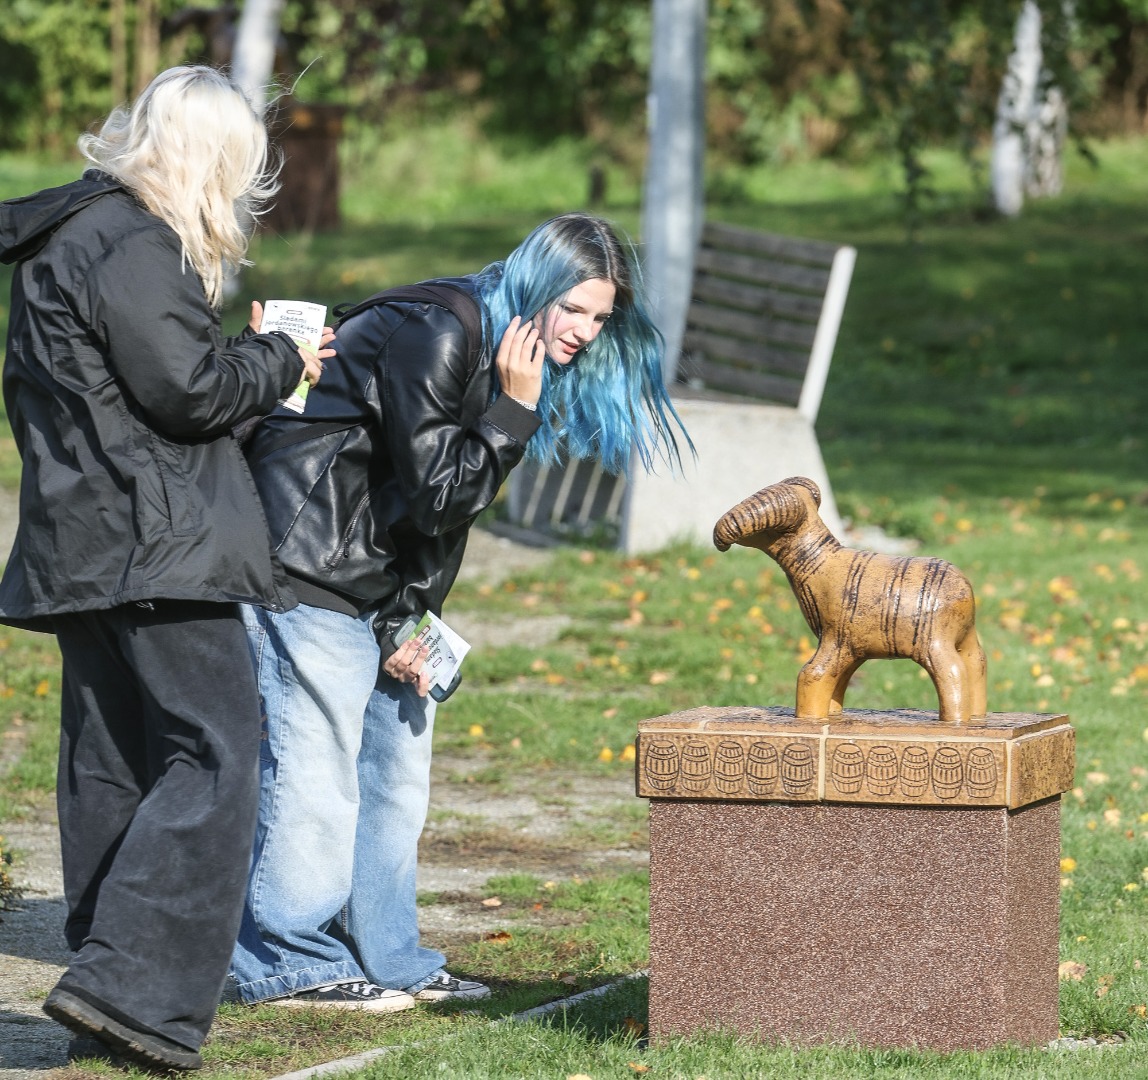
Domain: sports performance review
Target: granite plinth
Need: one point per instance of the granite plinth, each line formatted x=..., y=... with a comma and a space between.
x=907, y=917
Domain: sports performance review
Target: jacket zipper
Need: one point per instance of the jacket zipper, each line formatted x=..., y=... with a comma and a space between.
x=345, y=547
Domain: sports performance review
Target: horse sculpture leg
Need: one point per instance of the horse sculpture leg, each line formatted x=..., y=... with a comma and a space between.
x=818, y=681
x=838, y=703
x=976, y=671
x=946, y=667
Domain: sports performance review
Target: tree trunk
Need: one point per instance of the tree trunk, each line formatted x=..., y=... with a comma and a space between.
x=1031, y=123
x=119, y=52
x=1014, y=110
x=147, y=44
x=253, y=60
x=1044, y=145
x=672, y=208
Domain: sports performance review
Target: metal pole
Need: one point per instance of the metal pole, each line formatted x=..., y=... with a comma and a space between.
x=672, y=210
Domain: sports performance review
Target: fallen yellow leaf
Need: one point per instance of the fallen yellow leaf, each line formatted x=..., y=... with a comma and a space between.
x=476, y=731
x=634, y=1027
x=628, y=753
x=1067, y=865
x=606, y=754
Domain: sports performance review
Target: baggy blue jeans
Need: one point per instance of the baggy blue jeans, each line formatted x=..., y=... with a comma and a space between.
x=344, y=785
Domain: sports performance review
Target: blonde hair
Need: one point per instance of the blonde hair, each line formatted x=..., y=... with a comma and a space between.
x=195, y=152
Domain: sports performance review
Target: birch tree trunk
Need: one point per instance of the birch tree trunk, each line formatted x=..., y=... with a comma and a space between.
x=1031, y=123
x=253, y=59
x=1044, y=145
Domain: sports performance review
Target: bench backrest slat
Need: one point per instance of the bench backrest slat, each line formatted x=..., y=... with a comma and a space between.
x=757, y=298
x=721, y=349
x=756, y=327
x=756, y=310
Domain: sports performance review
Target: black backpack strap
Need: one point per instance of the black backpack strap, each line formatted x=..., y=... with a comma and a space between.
x=297, y=434
x=454, y=298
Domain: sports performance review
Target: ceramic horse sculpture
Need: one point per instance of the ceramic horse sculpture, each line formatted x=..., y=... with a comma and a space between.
x=862, y=605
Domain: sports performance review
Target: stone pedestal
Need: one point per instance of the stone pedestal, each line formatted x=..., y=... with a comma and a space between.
x=880, y=879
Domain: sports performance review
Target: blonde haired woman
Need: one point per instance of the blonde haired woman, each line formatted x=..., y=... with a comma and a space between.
x=140, y=534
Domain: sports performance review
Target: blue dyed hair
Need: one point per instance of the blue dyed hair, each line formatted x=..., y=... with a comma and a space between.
x=611, y=400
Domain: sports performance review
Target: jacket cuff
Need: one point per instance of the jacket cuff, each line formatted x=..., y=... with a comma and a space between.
x=300, y=368
x=516, y=420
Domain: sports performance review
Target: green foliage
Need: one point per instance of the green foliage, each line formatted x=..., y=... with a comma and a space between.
x=57, y=84
x=785, y=79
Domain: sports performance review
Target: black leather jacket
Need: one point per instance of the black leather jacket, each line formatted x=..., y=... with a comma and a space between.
x=370, y=493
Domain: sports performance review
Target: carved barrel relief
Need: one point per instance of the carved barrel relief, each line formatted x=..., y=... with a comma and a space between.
x=848, y=769
x=982, y=772
x=914, y=772
x=661, y=769
x=761, y=768
x=881, y=771
x=798, y=769
x=696, y=767
x=767, y=755
x=729, y=768
x=948, y=772
x=866, y=770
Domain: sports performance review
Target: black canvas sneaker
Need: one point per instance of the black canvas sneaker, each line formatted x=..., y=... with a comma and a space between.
x=359, y=995
x=445, y=987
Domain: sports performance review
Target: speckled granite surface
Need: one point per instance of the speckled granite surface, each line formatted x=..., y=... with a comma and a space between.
x=875, y=924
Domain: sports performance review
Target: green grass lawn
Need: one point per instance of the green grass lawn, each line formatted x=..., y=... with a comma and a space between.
x=987, y=397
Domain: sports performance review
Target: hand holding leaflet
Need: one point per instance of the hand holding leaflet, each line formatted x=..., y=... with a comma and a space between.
x=302, y=321
x=446, y=651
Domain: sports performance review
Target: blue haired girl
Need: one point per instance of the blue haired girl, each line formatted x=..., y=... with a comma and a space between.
x=435, y=393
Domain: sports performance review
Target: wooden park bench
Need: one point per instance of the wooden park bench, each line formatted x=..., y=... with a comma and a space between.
x=760, y=332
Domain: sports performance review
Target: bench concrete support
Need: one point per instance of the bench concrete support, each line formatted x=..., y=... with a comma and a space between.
x=878, y=880
x=734, y=440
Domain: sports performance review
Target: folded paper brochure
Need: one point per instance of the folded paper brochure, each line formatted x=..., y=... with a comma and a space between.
x=446, y=649
x=302, y=321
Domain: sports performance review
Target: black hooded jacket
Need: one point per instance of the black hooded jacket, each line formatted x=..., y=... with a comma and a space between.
x=122, y=394
x=370, y=493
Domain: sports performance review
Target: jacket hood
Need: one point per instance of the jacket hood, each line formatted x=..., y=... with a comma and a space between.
x=27, y=223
